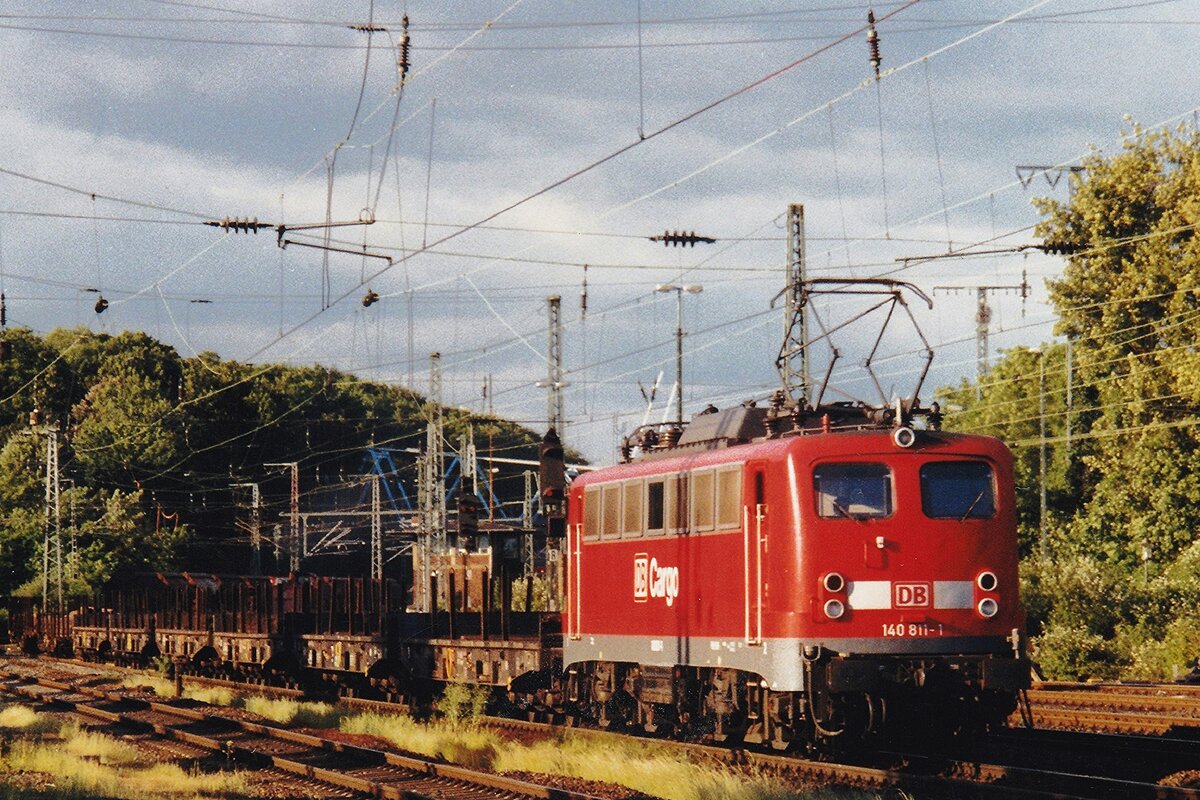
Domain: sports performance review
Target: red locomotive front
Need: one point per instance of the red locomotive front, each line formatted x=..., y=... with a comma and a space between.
x=796, y=586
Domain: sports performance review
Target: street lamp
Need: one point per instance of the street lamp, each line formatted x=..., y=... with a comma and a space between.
x=679, y=290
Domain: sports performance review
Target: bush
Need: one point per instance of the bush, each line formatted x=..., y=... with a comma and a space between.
x=1073, y=653
x=1164, y=658
x=463, y=702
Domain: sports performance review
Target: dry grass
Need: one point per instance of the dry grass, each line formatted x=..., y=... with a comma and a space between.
x=88, y=764
x=295, y=712
x=283, y=711
x=26, y=720
x=647, y=768
x=459, y=744
x=643, y=766
x=214, y=696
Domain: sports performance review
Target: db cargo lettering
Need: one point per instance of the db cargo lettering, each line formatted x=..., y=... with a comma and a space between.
x=651, y=580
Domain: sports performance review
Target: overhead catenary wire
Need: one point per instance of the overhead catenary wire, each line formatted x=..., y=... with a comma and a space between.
x=247, y=17
x=603, y=160
x=914, y=26
x=99, y=195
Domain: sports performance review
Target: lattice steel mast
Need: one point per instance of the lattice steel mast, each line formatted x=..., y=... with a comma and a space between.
x=793, y=356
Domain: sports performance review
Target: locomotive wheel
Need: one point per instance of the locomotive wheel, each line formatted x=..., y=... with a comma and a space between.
x=996, y=707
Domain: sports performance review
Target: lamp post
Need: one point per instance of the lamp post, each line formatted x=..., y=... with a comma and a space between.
x=679, y=290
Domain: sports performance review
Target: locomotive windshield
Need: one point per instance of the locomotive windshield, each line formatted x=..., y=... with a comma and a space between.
x=957, y=490
x=853, y=491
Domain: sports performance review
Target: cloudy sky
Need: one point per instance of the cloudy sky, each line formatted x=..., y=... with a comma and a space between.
x=128, y=124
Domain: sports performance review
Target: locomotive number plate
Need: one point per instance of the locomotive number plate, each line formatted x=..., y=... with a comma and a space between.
x=911, y=629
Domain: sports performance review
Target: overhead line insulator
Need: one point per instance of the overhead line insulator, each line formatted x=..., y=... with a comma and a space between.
x=238, y=225
x=1063, y=248
x=370, y=298
x=402, y=63
x=873, y=42
x=681, y=239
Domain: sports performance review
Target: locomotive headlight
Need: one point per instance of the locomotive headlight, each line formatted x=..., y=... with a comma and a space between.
x=834, y=609
x=987, y=581
x=834, y=582
x=987, y=608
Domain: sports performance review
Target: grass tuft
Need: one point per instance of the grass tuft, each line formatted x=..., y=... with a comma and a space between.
x=88, y=764
x=650, y=769
x=642, y=766
x=468, y=746
x=295, y=712
x=214, y=696
x=26, y=720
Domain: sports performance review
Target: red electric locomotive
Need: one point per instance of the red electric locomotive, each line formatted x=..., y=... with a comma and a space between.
x=793, y=576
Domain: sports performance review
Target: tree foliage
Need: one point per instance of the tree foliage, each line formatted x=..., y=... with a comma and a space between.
x=1123, y=458
x=149, y=443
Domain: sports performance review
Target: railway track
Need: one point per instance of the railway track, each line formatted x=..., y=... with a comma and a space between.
x=1016, y=763
x=1116, y=708
x=362, y=770
x=975, y=773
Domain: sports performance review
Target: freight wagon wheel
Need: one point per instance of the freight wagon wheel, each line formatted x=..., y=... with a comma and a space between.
x=618, y=711
x=104, y=651
x=281, y=668
x=148, y=653
x=63, y=648
x=206, y=661
x=389, y=677
x=30, y=646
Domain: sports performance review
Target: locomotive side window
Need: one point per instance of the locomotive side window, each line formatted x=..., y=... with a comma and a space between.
x=702, y=500
x=674, y=513
x=591, y=512
x=853, y=491
x=631, y=524
x=610, y=523
x=729, y=498
x=656, y=491
x=957, y=490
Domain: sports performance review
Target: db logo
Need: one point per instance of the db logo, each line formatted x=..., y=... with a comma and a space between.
x=910, y=595
x=651, y=580
x=641, y=577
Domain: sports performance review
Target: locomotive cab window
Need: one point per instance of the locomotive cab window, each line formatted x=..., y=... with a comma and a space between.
x=853, y=491
x=958, y=490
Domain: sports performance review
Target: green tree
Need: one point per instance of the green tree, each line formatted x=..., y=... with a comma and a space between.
x=126, y=429
x=1125, y=485
x=123, y=540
